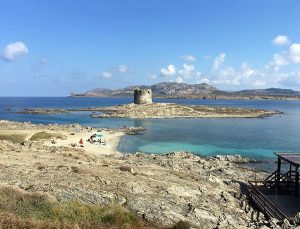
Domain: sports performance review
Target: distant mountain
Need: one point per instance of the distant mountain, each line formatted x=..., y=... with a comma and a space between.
x=160, y=89
x=204, y=91
x=268, y=91
x=169, y=88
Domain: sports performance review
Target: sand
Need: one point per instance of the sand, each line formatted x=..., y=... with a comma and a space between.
x=110, y=137
x=65, y=136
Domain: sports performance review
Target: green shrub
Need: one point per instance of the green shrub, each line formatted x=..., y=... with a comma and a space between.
x=15, y=138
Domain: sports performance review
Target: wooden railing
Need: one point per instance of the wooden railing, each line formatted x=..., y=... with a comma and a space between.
x=289, y=176
x=269, y=181
x=267, y=207
x=285, y=183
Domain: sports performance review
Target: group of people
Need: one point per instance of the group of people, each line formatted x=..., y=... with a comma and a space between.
x=95, y=139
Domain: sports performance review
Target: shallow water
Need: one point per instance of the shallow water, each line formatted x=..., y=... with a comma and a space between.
x=258, y=138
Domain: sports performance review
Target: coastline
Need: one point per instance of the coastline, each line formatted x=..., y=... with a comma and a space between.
x=161, y=189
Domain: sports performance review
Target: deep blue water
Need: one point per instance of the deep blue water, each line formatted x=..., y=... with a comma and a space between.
x=249, y=137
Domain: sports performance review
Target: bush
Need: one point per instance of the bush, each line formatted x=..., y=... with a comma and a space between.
x=19, y=209
x=43, y=135
x=15, y=138
x=75, y=169
x=182, y=225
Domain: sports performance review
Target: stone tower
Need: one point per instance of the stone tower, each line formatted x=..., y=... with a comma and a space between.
x=142, y=96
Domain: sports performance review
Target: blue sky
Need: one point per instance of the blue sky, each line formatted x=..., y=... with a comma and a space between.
x=53, y=48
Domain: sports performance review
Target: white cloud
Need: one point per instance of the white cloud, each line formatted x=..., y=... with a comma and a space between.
x=245, y=77
x=259, y=84
x=188, y=58
x=151, y=76
x=227, y=76
x=294, y=53
x=116, y=71
x=179, y=80
x=188, y=71
x=14, y=50
x=169, y=71
x=278, y=72
x=122, y=68
x=218, y=61
x=277, y=61
x=106, y=75
x=204, y=80
x=281, y=40
x=292, y=79
x=247, y=72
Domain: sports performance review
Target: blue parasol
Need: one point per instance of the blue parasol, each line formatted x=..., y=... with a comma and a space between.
x=100, y=135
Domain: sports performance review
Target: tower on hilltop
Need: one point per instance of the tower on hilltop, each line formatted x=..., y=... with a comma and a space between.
x=142, y=96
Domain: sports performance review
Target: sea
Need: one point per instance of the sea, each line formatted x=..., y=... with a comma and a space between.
x=252, y=137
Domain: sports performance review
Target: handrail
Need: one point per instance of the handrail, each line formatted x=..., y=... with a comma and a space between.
x=271, y=175
x=273, y=211
x=289, y=174
x=286, y=180
x=268, y=207
x=256, y=189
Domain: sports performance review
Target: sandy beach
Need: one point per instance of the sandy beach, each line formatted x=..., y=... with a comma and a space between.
x=110, y=137
x=69, y=136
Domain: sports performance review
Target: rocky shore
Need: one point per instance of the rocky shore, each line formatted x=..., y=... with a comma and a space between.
x=163, y=110
x=43, y=111
x=208, y=192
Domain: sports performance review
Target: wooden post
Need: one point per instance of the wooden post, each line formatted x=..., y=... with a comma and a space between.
x=277, y=182
x=278, y=171
x=297, y=183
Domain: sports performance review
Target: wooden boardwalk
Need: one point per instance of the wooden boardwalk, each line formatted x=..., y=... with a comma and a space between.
x=289, y=205
x=278, y=196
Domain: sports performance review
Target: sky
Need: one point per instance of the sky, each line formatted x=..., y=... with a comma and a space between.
x=53, y=48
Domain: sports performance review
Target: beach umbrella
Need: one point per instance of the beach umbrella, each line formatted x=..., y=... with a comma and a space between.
x=100, y=135
x=81, y=141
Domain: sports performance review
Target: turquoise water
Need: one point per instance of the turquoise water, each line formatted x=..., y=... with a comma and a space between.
x=162, y=147
x=258, y=138
x=248, y=137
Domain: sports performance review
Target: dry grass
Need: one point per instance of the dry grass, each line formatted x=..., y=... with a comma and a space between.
x=15, y=138
x=182, y=225
x=20, y=209
x=43, y=135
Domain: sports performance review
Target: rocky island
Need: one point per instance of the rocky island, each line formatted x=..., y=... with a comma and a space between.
x=144, y=108
x=39, y=165
x=171, y=110
x=161, y=110
x=43, y=111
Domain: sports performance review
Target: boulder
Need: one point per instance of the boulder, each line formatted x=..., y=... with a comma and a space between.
x=126, y=169
x=297, y=219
